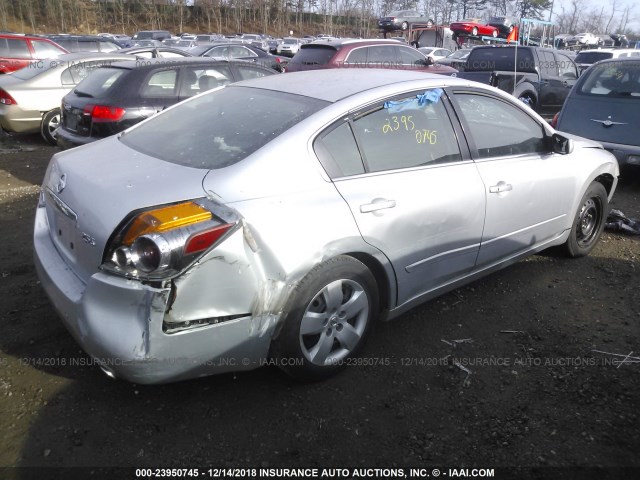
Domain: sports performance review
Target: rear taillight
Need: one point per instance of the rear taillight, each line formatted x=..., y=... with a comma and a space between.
x=163, y=241
x=6, y=99
x=104, y=113
x=554, y=122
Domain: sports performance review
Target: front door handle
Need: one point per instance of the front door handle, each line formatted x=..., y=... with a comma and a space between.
x=501, y=187
x=377, y=204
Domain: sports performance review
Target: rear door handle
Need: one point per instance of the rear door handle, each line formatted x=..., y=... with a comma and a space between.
x=377, y=204
x=501, y=187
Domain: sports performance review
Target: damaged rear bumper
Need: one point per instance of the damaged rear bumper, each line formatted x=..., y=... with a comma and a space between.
x=120, y=323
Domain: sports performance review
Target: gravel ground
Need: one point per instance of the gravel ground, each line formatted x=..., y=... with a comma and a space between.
x=502, y=373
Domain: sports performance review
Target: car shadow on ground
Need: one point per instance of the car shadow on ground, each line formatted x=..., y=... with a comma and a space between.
x=433, y=380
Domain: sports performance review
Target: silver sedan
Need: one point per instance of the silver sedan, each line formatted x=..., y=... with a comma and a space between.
x=30, y=98
x=274, y=220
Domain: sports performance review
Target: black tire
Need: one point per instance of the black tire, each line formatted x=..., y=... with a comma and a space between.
x=588, y=222
x=332, y=334
x=404, y=26
x=494, y=34
x=474, y=32
x=50, y=121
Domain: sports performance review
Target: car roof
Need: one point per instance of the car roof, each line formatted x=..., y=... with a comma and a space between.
x=152, y=63
x=343, y=42
x=333, y=85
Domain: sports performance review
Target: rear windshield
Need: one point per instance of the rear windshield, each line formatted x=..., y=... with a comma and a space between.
x=314, y=55
x=99, y=82
x=592, y=57
x=220, y=128
x=613, y=79
x=500, y=59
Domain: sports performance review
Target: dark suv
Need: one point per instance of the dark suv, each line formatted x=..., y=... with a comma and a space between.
x=16, y=51
x=346, y=53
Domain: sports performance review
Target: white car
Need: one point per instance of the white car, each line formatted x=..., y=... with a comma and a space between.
x=289, y=47
x=586, y=39
x=434, y=53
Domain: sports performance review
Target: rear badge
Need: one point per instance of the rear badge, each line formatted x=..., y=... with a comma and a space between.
x=608, y=122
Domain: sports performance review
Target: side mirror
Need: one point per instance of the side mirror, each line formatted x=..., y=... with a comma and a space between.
x=561, y=144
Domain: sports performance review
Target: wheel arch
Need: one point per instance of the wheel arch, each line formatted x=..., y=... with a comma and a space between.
x=607, y=182
x=386, y=302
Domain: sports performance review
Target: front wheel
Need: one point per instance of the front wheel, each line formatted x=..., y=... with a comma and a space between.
x=50, y=121
x=327, y=319
x=588, y=222
x=404, y=26
x=494, y=33
x=474, y=32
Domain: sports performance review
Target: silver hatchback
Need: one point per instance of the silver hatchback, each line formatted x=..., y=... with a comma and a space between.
x=276, y=219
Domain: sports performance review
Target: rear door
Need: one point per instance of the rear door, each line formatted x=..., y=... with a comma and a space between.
x=413, y=191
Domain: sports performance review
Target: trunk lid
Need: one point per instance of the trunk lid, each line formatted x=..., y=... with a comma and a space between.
x=90, y=190
x=602, y=118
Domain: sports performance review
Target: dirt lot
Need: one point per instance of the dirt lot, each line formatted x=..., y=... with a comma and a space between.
x=529, y=390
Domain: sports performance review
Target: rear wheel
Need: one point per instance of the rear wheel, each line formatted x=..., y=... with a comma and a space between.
x=50, y=121
x=494, y=34
x=327, y=319
x=589, y=221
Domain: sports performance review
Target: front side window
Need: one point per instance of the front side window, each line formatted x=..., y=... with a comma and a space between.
x=566, y=67
x=241, y=52
x=222, y=52
x=46, y=49
x=410, y=132
x=498, y=128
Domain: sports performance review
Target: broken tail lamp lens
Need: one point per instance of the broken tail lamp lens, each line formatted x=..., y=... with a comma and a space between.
x=162, y=241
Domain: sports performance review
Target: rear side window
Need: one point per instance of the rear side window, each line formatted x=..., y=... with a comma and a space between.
x=410, y=132
x=198, y=79
x=314, y=55
x=160, y=84
x=14, y=48
x=97, y=84
x=220, y=128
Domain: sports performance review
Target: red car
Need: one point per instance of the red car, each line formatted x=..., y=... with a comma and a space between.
x=472, y=26
x=16, y=51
